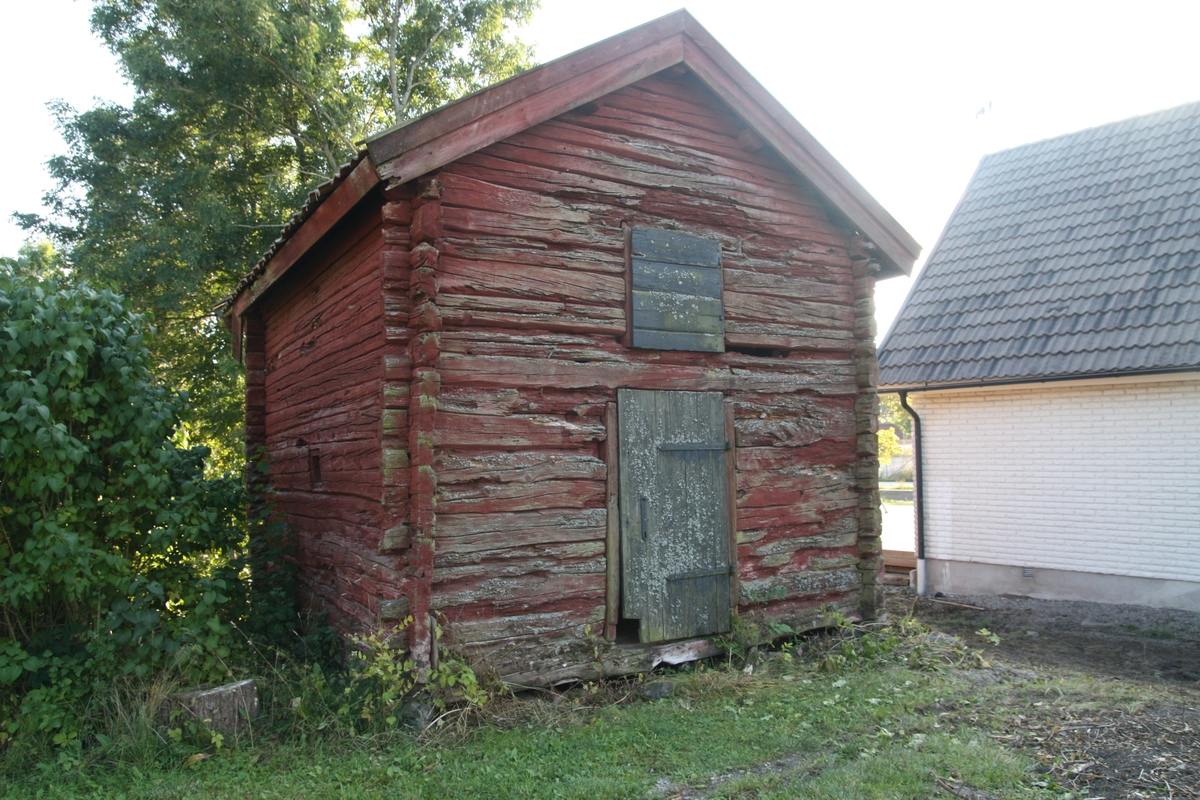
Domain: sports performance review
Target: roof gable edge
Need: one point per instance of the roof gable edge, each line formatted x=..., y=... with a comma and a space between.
x=541, y=94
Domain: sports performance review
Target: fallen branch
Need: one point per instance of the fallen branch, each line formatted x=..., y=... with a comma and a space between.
x=960, y=605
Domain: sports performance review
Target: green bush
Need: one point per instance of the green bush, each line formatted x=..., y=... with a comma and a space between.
x=117, y=556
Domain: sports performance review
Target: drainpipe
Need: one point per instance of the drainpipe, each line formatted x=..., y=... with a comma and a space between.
x=918, y=493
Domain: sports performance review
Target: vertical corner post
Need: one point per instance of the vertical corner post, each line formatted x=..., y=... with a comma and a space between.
x=864, y=267
x=424, y=351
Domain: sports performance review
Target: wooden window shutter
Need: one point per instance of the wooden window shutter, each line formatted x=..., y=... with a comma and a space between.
x=675, y=292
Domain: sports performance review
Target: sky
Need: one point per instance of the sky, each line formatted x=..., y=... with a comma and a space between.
x=906, y=95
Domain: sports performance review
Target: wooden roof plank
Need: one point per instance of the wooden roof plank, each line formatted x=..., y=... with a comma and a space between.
x=402, y=138
x=354, y=188
x=532, y=110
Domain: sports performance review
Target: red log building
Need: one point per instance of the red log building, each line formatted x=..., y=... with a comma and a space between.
x=585, y=358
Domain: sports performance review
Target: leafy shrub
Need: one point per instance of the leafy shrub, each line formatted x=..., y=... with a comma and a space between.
x=889, y=445
x=117, y=557
x=378, y=691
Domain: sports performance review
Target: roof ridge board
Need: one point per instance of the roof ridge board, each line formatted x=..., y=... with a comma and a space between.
x=488, y=99
x=313, y=199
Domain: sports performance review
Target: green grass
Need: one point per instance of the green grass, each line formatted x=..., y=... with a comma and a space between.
x=867, y=733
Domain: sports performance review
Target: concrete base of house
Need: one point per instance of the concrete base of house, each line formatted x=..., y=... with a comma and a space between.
x=972, y=577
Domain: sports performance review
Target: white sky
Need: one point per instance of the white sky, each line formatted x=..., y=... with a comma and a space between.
x=892, y=89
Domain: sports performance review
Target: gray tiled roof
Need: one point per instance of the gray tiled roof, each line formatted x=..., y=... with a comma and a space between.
x=1074, y=256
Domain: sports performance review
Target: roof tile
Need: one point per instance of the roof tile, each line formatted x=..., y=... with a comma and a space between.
x=1078, y=255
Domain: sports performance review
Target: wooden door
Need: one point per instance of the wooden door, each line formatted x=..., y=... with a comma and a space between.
x=675, y=564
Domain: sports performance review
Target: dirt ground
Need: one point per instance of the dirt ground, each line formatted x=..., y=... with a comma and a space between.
x=1136, y=734
x=1098, y=639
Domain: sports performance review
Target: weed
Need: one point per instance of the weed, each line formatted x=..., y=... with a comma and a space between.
x=988, y=636
x=1162, y=634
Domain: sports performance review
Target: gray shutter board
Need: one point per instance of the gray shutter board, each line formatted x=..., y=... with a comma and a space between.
x=676, y=340
x=654, y=276
x=675, y=292
x=675, y=248
x=677, y=312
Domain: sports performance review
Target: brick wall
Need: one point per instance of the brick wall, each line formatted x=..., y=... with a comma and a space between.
x=1084, y=476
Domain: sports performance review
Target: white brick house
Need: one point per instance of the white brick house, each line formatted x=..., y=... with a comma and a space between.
x=1051, y=350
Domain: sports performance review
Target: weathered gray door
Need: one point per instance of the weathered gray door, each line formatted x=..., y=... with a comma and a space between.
x=675, y=564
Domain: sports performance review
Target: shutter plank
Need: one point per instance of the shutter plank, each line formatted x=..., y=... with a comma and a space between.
x=677, y=312
x=675, y=248
x=674, y=340
x=654, y=276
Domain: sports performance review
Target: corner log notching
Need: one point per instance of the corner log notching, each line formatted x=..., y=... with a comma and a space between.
x=424, y=350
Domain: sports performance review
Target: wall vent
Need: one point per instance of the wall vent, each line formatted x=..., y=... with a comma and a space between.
x=314, y=467
x=1027, y=572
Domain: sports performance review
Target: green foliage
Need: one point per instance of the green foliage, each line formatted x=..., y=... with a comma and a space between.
x=892, y=413
x=116, y=555
x=846, y=646
x=422, y=54
x=889, y=445
x=988, y=636
x=790, y=732
x=372, y=695
x=36, y=259
x=240, y=108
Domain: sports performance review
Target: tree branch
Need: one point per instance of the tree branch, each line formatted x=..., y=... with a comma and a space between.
x=409, y=85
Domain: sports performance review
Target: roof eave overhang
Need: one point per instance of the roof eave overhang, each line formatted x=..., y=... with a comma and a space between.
x=1031, y=380
x=352, y=189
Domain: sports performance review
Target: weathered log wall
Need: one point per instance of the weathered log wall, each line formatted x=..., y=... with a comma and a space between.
x=323, y=353
x=530, y=303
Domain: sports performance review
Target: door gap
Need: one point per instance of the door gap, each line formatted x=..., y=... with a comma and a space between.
x=627, y=631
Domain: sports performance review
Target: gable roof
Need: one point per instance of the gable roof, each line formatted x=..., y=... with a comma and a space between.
x=1072, y=257
x=473, y=122
x=542, y=93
